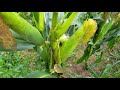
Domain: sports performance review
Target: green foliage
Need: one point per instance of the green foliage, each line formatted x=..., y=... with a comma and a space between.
x=22, y=27
x=60, y=31
x=107, y=30
x=13, y=66
x=99, y=58
x=45, y=31
x=21, y=45
x=77, y=37
x=39, y=74
x=108, y=71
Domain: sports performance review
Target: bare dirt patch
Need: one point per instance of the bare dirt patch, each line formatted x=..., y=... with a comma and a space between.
x=80, y=68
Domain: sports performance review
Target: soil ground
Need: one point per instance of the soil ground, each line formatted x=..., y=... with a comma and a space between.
x=80, y=69
x=77, y=69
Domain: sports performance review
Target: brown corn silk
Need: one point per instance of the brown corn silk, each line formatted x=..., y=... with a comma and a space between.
x=6, y=38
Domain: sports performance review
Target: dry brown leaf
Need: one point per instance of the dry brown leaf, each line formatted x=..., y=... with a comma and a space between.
x=58, y=69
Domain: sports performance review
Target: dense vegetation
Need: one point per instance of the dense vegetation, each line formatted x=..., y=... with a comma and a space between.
x=51, y=45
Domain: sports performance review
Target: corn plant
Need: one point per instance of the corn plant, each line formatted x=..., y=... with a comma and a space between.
x=108, y=31
x=46, y=33
x=105, y=72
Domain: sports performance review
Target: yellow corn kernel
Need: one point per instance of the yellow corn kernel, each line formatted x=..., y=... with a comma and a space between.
x=90, y=28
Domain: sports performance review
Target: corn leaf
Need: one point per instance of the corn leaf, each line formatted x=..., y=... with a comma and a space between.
x=61, y=21
x=74, y=40
x=112, y=42
x=85, y=55
x=66, y=25
x=41, y=21
x=70, y=45
x=22, y=27
x=36, y=15
x=38, y=74
x=103, y=32
x=21, y=45
x=54, y=19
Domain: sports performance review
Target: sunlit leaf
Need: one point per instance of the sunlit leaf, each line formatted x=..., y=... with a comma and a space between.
x=22, y=27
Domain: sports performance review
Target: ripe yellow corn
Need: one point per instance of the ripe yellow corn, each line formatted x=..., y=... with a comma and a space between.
x=90, y=28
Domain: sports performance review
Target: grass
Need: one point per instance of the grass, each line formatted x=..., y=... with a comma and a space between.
x=21, y=63
x=107, y=67
x=17, y=65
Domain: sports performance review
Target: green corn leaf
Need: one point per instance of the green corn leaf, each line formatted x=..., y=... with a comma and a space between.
x=61, y=21
x=106, y=70
x=99, y=58
x=103, y=32
x=16, y=35
x=95, y=74
x=35, y=19
x=41, y=21
x=66, y=25
x=111, y=42
x=45, y=55
x=21, y=45
x=36, y=15
x=22, y=27
x=54, y=19
x=71, y=43
x=74, y=40
x=38, y=74
x=85, y=56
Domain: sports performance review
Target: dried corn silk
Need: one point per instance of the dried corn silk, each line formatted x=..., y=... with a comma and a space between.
x=6, y=38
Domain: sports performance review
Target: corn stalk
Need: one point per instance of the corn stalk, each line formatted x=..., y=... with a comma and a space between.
x=98, y=39
x=56, y=47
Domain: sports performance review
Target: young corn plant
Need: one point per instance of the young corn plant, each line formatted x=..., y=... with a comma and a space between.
x=46, y=33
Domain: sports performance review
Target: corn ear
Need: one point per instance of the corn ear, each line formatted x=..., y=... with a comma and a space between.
x=90, y=30
x=22, y=27
x=74, y=40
